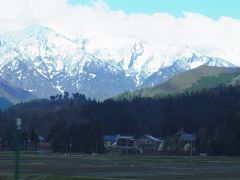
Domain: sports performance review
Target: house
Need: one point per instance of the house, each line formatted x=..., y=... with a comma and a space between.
x=109, y=141
x=41, y=139
x=148, y=144
x=186, y=141
x=125, y=145
x=125, y=141
x=43, y=146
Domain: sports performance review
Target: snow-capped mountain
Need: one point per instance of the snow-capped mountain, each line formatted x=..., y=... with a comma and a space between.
x=43, y=62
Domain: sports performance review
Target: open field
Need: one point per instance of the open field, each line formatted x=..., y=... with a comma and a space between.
x=100, y=167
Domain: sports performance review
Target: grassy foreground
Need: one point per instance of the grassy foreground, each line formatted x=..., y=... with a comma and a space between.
x=106, y=167
x=42, y=177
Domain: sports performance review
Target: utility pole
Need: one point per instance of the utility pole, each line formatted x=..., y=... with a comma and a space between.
x=96, y=147
x=24, y=145
x=127, y=148
x=66, y=150
x=70, y=146
x=18, y=129
x=191, y=149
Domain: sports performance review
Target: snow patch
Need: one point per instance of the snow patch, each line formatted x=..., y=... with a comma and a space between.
x=92, y=75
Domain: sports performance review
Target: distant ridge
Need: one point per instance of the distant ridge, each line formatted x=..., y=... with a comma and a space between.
x=12, y=95
x=4, y=103
x=196, y=79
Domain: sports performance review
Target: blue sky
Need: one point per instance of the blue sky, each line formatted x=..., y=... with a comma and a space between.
x=210, y=8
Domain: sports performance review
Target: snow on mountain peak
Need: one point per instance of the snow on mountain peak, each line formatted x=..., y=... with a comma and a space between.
x=43, y=56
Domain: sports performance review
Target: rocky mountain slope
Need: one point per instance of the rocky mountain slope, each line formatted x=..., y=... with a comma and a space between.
x=44, y=62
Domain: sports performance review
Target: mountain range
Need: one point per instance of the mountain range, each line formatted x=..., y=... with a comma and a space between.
x=42, y=62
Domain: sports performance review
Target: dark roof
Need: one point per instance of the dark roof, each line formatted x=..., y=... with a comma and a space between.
x=187, y=137
x=125, y=137
x=109, y=138
x=41, y=138
x=152, y=138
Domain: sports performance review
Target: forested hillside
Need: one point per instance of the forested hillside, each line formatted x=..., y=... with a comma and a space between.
x=203, y=77
x=213, y=115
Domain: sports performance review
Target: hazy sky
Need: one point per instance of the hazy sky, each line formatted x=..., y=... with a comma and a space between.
x=210, y=26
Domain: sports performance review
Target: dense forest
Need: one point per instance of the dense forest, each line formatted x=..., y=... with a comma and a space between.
x=213, y=115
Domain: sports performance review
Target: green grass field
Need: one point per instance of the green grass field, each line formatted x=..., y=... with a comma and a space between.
x=100, y=167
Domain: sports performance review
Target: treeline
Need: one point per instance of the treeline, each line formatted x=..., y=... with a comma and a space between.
x=213, y=115
x=58, y=119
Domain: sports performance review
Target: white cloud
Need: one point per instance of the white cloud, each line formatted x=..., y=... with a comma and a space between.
x=192, y=29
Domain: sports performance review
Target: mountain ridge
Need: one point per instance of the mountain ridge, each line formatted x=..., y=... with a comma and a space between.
x=197, y=79
x=43, y=62
x=10, y=95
